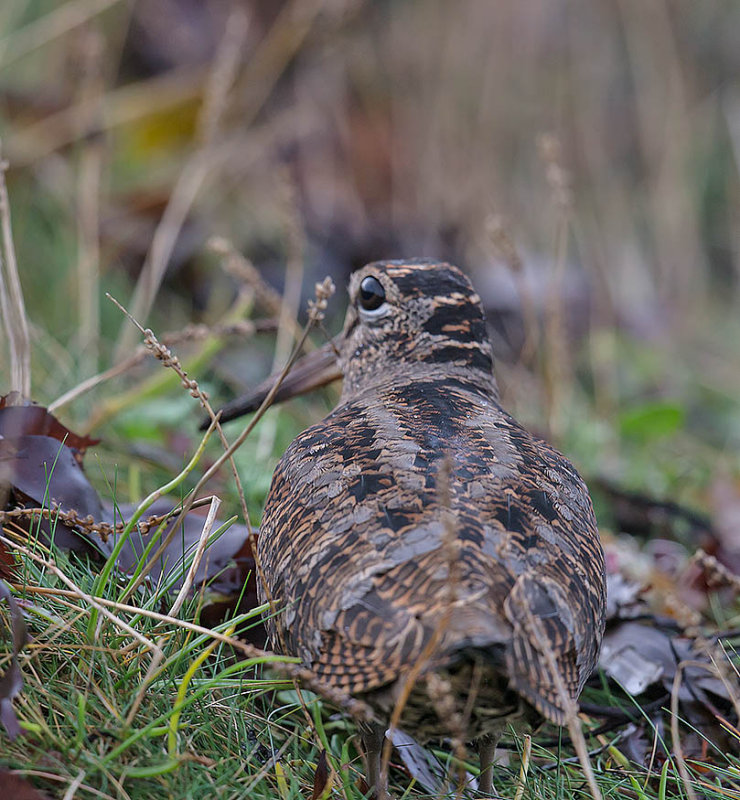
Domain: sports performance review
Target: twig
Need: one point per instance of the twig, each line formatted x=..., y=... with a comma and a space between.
x=244, y=271
x=75, y=785
x=450, y=547
x=87, y=524
x=51, y=776
x=316, y=313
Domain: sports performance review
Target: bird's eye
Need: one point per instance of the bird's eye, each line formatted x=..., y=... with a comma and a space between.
x=372, y=293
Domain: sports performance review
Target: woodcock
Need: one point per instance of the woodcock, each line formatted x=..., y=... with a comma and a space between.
x=419, y=527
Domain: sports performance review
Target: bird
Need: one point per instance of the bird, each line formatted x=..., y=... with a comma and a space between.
x=419, y=547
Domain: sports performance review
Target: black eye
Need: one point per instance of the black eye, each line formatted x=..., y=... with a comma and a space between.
x=372, y=294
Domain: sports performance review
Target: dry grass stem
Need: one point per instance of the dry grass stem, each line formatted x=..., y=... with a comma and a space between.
x=88, y=204
x=317, y=309
x=11, y=299
x=51, y=776
x=442, y=698
x=75, y=785
x=191, y=333
x=665, y=139
x=286, y=334
x=193, y=175
x=165, y=356
x=505, y=249
x=283, y=665
x=675, y=736
x=524, y=768
x=270, y=59
x=244, y=271
x=570, y=707
x=51, y=26
x=275, y=52
x=49, y=564
x=87, y=524
x=715, y=573
x=556, y=366
x=197, y=557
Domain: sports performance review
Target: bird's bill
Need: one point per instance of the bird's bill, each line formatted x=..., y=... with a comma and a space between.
x=310, y=372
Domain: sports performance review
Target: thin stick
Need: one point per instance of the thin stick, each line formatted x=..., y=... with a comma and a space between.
x=244, y=271
x=96, y=380
x=51, y=776
x=316, y=312
x=451, y=549
x=556, y=367
x=75, y=785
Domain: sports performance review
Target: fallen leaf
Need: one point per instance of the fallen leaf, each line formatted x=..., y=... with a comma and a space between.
x=41, y=467
x=22, y=418
x=321, y=779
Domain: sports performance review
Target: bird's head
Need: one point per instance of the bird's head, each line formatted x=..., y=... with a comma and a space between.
x=419, y=316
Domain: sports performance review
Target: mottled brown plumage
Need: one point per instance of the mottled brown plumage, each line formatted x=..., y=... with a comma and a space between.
x=418, y=511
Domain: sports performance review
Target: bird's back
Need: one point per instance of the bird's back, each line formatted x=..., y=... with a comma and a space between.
x=419, y=516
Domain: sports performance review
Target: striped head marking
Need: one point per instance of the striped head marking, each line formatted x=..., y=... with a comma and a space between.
x=418, y=316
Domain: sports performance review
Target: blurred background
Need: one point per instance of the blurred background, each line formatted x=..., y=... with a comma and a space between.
x=578, y=158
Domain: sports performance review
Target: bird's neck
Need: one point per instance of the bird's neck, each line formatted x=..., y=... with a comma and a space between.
x=377, y=378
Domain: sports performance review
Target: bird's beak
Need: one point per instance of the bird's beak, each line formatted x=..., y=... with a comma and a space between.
x=314, y=370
